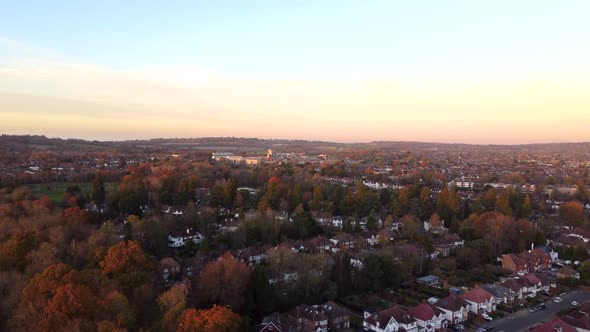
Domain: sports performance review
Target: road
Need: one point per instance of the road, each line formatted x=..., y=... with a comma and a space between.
x=523, y=319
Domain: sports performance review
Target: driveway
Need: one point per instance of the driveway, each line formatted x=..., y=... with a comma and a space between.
x=523, y=319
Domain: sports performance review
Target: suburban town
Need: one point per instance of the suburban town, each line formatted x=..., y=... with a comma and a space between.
x=274, y=235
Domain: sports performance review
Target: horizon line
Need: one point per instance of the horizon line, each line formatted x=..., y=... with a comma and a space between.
x=290, y=139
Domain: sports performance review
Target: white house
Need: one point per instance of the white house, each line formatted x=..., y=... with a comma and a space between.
x=390, y=320
x=480, y=300
x=456, y=309
x=179, y=240
x=428, y=317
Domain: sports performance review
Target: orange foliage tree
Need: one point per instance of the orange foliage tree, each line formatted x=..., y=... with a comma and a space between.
x=225, y=281
x=216, y=319
x=127, y=263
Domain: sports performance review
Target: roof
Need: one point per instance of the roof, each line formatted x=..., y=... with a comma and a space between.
x=578, y=319
x=168, y=262
x=333, y=310
x=428, y=279
x=551, y=326
x=568, y=271
x=384, y=316
x=424, y=311
x=477, y=295
x=496, y=290
x=512, y=284
x=452, y=303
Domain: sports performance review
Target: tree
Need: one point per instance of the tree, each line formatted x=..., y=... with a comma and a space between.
x=225, y=281
x=216, y=319
x=317, y=198
x=229, y=193
x=13, y=253
x=572, y=213
x=447, y=204
x=503, y=203
x=172, y=303
x=435, y=221
x=526, y=207
x=489, y=200
x=98, y=192
x=410, y=225
x=127, y=263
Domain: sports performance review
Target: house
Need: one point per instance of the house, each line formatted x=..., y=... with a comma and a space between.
x=337, y=221
x=447, y=242
x=527, y=261
x=480, y=300
x=189, y=268
x=529, y=286
x=456, y=309
x=502, y=295
x=548, y=281
x=429, y=280
x=385, y=236
x=276, y=323
x=389, y=320
x=515, y=287
x=370, y=238
x=567, y=272
x=179, y=239
x=343, y=241
x=309, y=318
x=168, y=268
x=338, y=317
x=300, y=246
x=580, y=318
x=514, y=264
x=554, y=325
x=251, y=255
x=428, y=317
x=320, y=245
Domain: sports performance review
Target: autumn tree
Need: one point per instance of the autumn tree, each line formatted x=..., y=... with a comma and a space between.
x=447, y=205
x=224, y=281
x=13, y=253
x=127, y=263
x=503, y=203
x=216, y=319
x=172, y=303
x=572, y=212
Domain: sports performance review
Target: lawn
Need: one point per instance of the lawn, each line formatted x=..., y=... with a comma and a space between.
x=55, y=190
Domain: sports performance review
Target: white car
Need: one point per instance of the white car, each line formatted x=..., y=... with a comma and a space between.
x=557, y=299
x=574, y=303
x=486, y=317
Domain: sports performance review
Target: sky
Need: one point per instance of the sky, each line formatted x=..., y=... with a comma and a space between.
x=490, y=72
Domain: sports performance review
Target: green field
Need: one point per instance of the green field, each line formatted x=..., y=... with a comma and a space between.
x=55, y=190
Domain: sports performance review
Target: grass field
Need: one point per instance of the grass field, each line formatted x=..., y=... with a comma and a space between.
x=55, y=190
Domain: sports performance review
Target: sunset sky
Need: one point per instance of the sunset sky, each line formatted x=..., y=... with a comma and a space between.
x=346, y=71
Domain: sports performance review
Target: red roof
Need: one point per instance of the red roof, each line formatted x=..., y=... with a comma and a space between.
x=424, y=311
x=477, y=295
x=551, y=326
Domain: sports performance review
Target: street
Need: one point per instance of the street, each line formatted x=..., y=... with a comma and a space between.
x=523, y=319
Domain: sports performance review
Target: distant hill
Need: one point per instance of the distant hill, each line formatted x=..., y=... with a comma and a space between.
x=36, y=142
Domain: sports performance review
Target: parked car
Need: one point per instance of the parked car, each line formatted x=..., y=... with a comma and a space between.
x=458, y=327
x=533, y=309
x=541, y=306
x=486, y=317
x=574, y=303
x=557, y=299
x=480, y=329
x=488, y=328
